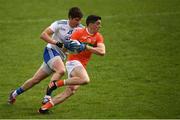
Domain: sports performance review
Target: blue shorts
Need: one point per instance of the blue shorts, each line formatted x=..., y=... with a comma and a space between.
x=49, y=53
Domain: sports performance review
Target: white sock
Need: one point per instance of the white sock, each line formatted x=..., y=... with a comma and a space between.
x=64, y=82
x=47, y=96
x=14, y=94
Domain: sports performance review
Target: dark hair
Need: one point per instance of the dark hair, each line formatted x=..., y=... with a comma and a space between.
x=75, y=12
x=92, y=19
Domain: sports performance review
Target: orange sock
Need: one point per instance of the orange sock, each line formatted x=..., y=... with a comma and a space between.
x=60, y=83
x=48, y=105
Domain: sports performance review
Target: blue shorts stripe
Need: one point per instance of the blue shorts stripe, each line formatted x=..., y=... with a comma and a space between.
x=49, y=53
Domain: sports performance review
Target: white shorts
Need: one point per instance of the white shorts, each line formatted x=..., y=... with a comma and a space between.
x=70, y=65
x=50, y=55
x=48, y=67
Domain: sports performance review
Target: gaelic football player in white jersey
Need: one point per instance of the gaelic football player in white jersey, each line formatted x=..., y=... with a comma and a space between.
x=57, y=36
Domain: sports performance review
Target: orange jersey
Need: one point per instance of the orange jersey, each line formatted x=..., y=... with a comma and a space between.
x=84, y=36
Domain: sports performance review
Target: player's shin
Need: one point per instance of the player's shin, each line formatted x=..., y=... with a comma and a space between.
x=54, y=85
x=17, y=92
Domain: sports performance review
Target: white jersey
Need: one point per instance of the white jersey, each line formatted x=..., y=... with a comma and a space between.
x=62, y=31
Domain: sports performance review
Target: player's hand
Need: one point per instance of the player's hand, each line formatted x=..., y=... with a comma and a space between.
x=82, y=47
x=60, y=45
x=67, y=43
x=71, y=45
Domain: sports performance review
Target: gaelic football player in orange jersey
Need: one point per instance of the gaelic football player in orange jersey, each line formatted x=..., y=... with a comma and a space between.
x=91, y=42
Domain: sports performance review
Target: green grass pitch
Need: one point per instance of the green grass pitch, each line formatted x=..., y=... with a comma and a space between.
x=139, y=77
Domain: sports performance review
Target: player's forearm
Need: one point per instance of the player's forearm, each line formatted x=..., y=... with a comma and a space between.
x=97, y=50
x=44, y=36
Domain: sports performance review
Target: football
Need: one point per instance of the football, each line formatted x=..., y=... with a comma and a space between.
x=75, y=44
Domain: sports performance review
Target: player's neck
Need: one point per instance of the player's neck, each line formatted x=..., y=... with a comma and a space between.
x=71, y=24
x=90, y=31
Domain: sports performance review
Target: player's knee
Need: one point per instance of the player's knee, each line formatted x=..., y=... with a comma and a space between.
x=86, y=80
x=61, y=72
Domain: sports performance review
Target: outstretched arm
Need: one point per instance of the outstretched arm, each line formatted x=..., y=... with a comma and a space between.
x=99, y=50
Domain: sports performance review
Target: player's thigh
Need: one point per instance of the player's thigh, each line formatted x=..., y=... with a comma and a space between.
x=79, y=71
x=56, y=64
x=41, y=73
x=75, y=69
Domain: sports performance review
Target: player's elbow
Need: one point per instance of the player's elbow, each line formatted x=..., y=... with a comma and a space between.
x=42, y=35
x=102, y=53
